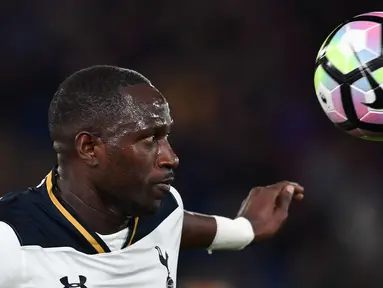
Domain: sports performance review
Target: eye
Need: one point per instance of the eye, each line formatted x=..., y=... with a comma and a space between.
x=155, y=136
x=151, y=139
x=160, y=136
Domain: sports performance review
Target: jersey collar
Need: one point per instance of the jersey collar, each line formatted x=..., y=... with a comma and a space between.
x=67, y=212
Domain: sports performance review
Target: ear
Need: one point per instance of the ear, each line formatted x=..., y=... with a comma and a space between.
x=87, y=148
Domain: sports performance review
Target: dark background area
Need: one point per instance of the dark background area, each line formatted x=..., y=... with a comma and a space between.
x=239, y=79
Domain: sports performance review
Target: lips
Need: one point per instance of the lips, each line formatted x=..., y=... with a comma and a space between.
x=166, y=182
x=163, y=186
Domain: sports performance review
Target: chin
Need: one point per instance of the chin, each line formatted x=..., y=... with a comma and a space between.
x=147, y=208
x=155, y=206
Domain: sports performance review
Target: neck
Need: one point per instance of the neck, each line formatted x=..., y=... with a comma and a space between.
x=78, y=192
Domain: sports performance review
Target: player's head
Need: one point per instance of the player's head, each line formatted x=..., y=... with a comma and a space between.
x=113, y=124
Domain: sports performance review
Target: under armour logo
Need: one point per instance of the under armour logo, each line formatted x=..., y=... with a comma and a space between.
x=80, y=284
x=164, y=262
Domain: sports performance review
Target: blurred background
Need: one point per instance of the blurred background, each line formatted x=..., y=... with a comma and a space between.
x=239, y=78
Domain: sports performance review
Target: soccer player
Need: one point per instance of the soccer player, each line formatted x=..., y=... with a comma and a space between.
x=107, y=215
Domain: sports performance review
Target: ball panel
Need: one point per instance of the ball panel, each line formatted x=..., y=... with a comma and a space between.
x=322, y=50
x=324, y=98
x=322, y=77
x=364, y=55
x=319, y=76
x=358, y=97
x=334, y=110
x=335, y=117
x=355, y=133
x=336, y=98
x=362, y=84
x=334, y=54
x=329, y=95
x=358, y=36
x=373, y=117
x=374, y=35
x=378, y=76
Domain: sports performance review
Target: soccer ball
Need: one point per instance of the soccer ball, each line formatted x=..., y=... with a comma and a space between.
x=348, y=77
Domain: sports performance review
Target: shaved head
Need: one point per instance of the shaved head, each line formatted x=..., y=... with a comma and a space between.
x=92, y=99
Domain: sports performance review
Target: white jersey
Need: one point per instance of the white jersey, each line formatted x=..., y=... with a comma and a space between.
x=44, y=245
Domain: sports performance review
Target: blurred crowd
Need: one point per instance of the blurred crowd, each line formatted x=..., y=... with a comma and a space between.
x=239, y=79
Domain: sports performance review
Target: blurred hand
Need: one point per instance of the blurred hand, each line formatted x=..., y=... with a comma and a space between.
x=267, y=207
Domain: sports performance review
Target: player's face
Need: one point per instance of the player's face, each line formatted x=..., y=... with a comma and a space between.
x=140, y=160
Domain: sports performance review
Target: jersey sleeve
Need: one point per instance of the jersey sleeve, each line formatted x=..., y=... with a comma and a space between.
x=11, y=259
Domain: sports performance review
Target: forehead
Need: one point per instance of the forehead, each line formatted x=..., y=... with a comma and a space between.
x=145, y=107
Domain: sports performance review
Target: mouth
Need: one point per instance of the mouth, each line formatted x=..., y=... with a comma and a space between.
x=163, y=186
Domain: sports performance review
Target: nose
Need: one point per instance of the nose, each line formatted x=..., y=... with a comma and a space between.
x=166, y=157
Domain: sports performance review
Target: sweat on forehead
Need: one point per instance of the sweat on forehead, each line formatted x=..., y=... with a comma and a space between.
x=143, y=94
x=144, y=107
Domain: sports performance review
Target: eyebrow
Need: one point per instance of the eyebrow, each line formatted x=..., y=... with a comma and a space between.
x=162, y=126
x=132, y=126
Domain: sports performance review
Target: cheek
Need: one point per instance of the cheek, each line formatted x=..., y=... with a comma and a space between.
x=142, y=161
x=134, y=163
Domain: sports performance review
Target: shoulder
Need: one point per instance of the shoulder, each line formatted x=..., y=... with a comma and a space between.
x=10, y=250
x=31, y=215
x=15, y=208
x=21, y=209
x=9, y=239
x=17, y=211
